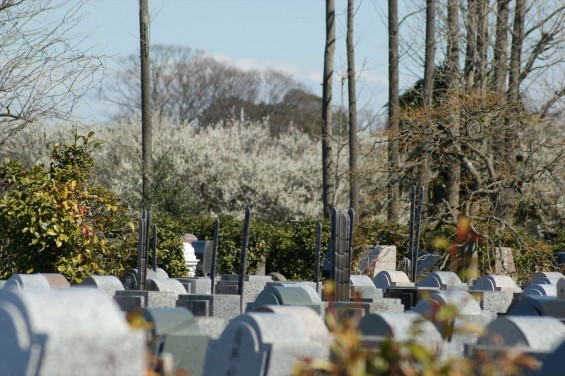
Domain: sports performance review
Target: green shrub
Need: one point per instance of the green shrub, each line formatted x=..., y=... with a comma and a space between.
x=53, y=220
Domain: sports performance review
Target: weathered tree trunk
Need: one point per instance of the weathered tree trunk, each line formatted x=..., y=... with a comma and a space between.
x=146, y=143
x=352, y=99
x=328, y=176
x=504, y=205
x=393, y=209
x=453, y=82
x=427, y=96
x=482, y=46
x=471, y=44
x=508, y=194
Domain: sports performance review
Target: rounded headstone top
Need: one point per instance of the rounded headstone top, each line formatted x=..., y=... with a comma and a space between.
x=495, y=283
x=56, y=280
x=541, y=333
x=541, y=290
x=441, y=280
x=466, y=304
x=27, y=281
x=391, y=278
x=165, y=285
x=107, y=283
x=546, y=277
x=314, y=325
x=401, y=326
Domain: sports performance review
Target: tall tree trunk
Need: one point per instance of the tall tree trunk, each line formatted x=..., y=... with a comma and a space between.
x=353, y=147
x=504, y=205
x=453, y=82
x=146, y=143
x=471, y=45
x=508, y=195
x=393, y=209
x=427, y=95
x=482, y=46
x=328, y=176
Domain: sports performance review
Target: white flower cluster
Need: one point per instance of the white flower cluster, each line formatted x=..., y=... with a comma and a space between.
x=227, y=167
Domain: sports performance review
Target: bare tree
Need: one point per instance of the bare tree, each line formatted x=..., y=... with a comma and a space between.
x=44, y=68
x=328, y=177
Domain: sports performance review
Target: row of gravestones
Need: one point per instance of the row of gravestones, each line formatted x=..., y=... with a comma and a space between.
x=51, y=329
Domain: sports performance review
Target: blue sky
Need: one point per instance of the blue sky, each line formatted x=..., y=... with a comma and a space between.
x=284, y=34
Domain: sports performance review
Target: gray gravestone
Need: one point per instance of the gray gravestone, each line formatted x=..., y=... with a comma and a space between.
x=401, y=327
x=106, y=283
x=443, y=281
x=200, y=285
x=56, y=280
x=391, y=278
x=364, y=286
x=541, y=290
x=176, y=331
x=165, y=285
x=259, y=344
x=315, y=327
x=128, y=300
x=131, y=279
x=534, y=333
x=553, y=363
x=65, y=332
x=27, y=281
x=288, y=294
x=503, y=261
x=469, y=313
x=381, y=257
x=223, y=306
x=495, y=283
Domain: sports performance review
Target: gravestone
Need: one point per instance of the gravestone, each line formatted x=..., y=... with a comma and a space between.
x=364, y=287
x=198, y=285
x=495, y=292
x=56, y=280
x=223, y=306
x=537, y=305
x=131, y=279
x=316, y=328
x=203, y=250
x=549, y=278
x=259, y=344
x=380, y=257
x=65, y=332
x=108, y=284
x=288, y=294
x=176, y=331
x=540, y=290
x=469, y=313
x=401, y=327
x=427, y=262
x=340, y=245
x=495, y=283
x=254, y=284
x=27, y=281
x=128, y=300
x=553, y=362
x=538, y=334
x=391, y=278
x=165, y=285
x=503, y=261
x=443, y=281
